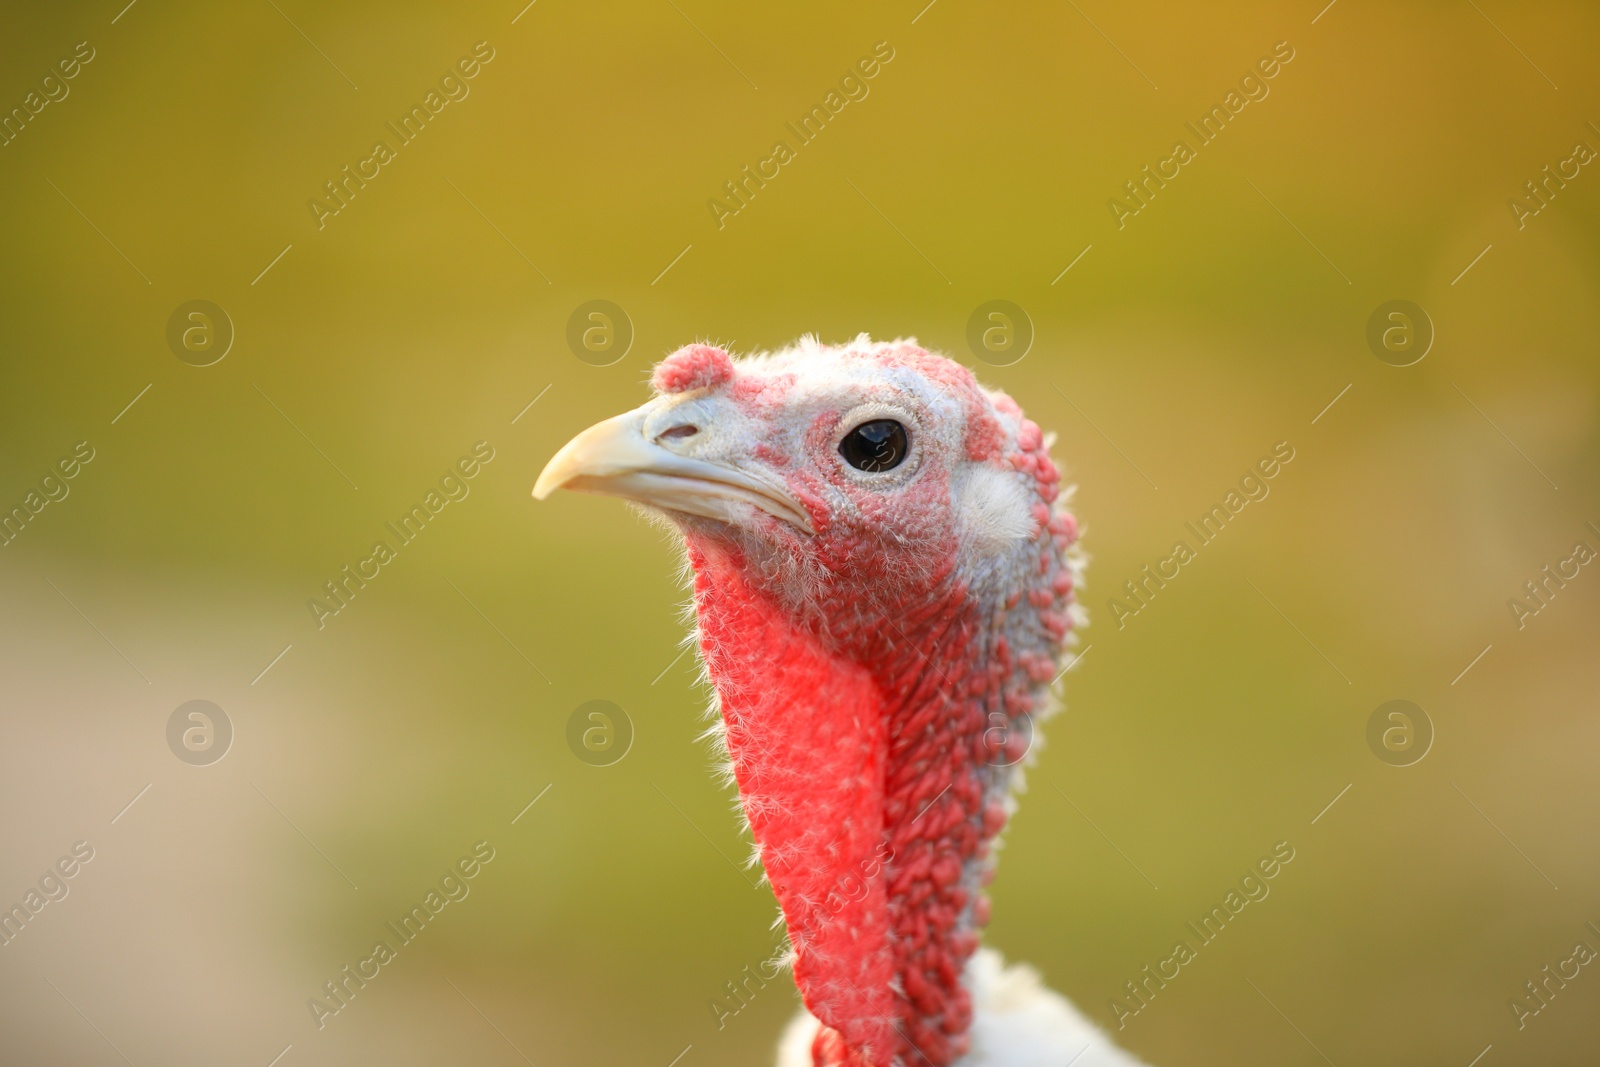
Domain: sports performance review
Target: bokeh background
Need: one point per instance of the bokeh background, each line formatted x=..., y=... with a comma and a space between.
x=373, y=352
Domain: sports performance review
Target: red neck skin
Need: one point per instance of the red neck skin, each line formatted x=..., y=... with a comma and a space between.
x=872, y=794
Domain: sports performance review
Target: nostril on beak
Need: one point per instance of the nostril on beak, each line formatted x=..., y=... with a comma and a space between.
x=677, y=433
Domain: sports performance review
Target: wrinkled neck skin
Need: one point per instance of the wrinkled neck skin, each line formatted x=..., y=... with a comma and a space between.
x=872, y=744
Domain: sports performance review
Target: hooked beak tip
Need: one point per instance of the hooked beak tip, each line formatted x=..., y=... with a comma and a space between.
x=546, y=484
x=608, y=448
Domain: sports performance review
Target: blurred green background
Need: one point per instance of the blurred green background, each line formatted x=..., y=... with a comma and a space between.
x=433, y=308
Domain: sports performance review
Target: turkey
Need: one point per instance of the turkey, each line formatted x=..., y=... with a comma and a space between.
x=883, y=580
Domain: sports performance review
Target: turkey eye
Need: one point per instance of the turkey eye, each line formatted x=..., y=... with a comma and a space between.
x=874, y=446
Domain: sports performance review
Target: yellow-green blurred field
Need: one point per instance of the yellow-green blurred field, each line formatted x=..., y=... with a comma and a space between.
x=976, y=164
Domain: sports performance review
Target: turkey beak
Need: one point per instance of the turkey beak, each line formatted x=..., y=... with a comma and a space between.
x=618, y=457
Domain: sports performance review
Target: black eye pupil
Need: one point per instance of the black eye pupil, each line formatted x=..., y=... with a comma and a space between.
x=874, y=446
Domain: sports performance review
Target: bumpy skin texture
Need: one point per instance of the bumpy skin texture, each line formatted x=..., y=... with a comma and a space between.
x=878, y=679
